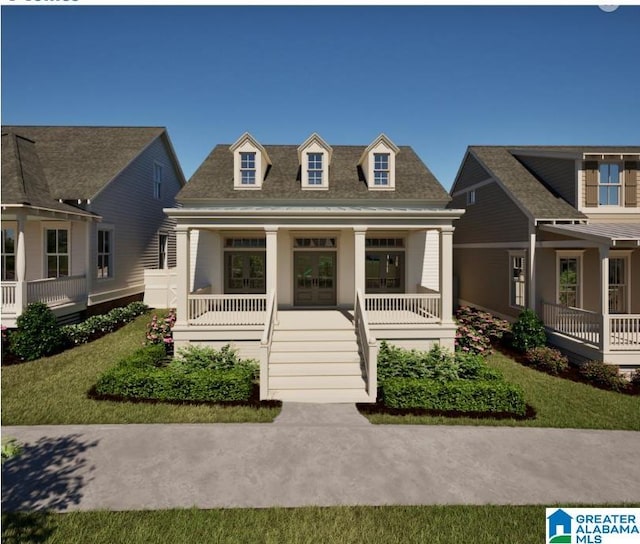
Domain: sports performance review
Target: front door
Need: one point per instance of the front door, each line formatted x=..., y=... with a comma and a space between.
x=315, y=278
x=245, y=272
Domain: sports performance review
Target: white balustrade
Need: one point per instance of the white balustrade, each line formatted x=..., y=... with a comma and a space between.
x=368, y=345
x=402, y=309
x=57, y=291
x=624, y=330
x=221, y=310
x=8, y=297
x=574, y=322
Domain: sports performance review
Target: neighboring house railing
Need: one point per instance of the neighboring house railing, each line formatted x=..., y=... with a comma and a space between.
x=8, y=297
x=265, y=342
x=403, y=309
x=368, y=345
x=624, y=331
x=577, y=323
x=57, y=291
x=221, y=310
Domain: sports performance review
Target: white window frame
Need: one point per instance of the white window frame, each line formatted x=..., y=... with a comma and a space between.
x=571, y=255
x=158, y=173
x=245, y=168
x=312, y=167
x=386, y=171
x=625, y=255
x=57, y=227
x=163, y=249
x=512, y=280
x=5, y=254
x=111, y=268
x=619, y=185
x=471, y=197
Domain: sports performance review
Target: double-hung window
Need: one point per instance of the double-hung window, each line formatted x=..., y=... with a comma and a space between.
x=163, y=245
x=618, y=288
x=381, y=168
x=609, y=184
x=315, y=168
x=569, y=281
x=248, y=168
x=57, y=252
x=105, y=253
x=518, y=280
x=157, y=181
x=8, y=254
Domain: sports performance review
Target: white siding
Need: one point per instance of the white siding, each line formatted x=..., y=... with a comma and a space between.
x=431, y=264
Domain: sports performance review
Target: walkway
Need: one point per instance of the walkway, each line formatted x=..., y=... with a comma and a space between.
x=315, y=455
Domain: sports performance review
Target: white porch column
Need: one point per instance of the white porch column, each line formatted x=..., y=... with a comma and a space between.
x=21, y=264
x=446, y=274
x=272, y=257
x=182, y=275
x=359, y=258
x=531, y=270
x=90, y=264
x=604, y=299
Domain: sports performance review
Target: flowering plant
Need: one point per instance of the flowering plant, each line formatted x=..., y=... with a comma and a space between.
x=160, y=330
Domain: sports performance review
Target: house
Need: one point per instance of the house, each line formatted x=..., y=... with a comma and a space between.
x=82, y=215
x=306, y=256
x=559, y=523
x=555, y=229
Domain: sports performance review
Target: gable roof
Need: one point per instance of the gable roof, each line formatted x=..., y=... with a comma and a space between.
x=214, y=178
x=23, y=178
x=78, y=162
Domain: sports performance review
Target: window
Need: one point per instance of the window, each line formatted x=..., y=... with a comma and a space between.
x=381, y=168
x=610, y=184
x=163, y=244
x=471, y=197
x=384, y=271
x=8, y=255
x=518, y=281
x=384, y=242
x=315, y=168
x=311, y=243
x=157, y=181
x=245, y=243
x=248, y=168
x=617, y=285
x=569, y=281
x=57, y=252
x=105, y=268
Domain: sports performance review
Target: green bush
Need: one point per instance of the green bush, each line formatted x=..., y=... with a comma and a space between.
x=202, y=357
x=38, y=334
x=460, y=395
x=144, y=375
x=635, y=378
x=478, y=330
x=603, y=375
x=547, y=360
x=528, y=332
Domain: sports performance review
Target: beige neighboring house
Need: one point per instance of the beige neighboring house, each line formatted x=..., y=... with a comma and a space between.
x=555, y=229
x=306, y=256
x=82, y=215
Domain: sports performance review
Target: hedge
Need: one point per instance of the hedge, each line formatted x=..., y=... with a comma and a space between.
x=459, y=395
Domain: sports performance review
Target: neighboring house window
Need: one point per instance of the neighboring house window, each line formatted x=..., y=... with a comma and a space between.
x=57, y=252
x=518, y=280
x=610, y=184
x=8, y=255
x=569, y=281
x=157, y=181
x=248, y=168
x=315, y=168
x=163, y=244
x=381, y=168
x=105, y=255
x=471, y=197
x=618, y=285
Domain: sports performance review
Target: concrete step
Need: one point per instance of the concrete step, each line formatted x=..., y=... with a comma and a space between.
x=315, y=369
x=313, y=335
x=320, y=395
x=316, y=382
x=311, y=347
x=281, y=356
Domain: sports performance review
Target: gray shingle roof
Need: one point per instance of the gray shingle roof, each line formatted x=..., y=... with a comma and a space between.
x=79, y=161
x=530, y=192
x=214, y=178
x=23, y=178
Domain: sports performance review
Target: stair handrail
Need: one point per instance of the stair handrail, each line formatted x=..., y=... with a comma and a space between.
x=368, y=344
x=265, y=343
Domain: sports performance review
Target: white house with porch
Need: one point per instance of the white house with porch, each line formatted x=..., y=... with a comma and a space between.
x=306, y=256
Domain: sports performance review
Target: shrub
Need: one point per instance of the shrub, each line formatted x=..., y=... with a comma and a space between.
x=470, y=340
x=160, y=331
x=486, y=324
x=547, y=359
x=528, y=332
x=603, y=375
x=459, y=396
x=38, y=334
x=202, y=357
x=635, y=378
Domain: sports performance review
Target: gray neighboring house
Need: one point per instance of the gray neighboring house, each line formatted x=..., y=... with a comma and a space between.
x=555, y=229
x=82, y=215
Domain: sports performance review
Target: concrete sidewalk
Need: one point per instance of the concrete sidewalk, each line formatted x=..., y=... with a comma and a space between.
x=314, y=456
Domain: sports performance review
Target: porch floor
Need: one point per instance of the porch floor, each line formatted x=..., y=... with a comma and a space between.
x=315, y=319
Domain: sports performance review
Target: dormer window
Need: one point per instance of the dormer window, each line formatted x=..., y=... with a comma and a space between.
x=381, y=168
x=315, y=159
x=610, y=184
x=378, y=163
x=248, y=168
x=315, y=168
x=250, y=163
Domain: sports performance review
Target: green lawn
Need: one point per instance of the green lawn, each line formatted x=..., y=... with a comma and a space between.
x=558, y=403
x=53, y=390
x=343, y=525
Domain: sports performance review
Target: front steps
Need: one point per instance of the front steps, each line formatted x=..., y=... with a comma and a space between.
x=315, y=358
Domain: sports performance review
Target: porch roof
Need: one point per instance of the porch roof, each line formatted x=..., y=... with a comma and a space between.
x=614, y=234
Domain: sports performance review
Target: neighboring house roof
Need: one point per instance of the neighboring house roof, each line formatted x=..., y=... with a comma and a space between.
x=605, y=233
x=214, y=179
x=78, y=162
x=23, y=180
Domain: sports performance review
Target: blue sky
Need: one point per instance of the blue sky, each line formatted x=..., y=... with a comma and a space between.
x=435, y=78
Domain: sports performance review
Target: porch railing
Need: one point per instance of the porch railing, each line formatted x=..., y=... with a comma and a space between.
x=57, y=291
x=265, y=342
x=403, y=309
x=574, y=322
x=368, y=345
x=624, y=332
x=214, y=310
x=8, y=297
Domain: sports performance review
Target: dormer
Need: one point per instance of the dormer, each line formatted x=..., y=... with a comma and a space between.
x=378, y=163
x=250, y=163
x=314, y=156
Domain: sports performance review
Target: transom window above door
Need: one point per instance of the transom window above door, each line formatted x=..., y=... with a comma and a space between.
x=245, y=242
x=384, y=242
x=307, y=243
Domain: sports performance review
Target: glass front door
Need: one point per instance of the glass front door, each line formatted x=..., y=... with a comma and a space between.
x=245, y=272
x=315, y=278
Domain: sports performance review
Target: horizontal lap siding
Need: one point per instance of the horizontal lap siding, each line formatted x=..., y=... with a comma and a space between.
x=559, y=174
x=127, y=203
x=472, y=172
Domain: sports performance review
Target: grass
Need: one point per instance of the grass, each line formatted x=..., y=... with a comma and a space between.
x=558, y=403
x=53, y=390
x=385, y=525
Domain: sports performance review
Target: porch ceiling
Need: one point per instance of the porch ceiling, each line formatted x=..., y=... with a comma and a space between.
x=613, y=234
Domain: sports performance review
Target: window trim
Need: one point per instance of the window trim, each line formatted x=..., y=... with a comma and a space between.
x=158, y=179
x=471, y=197
x=571, y=255
x=319, y=157
x=512, y=283
x=4, y=254
x=45, y=254
x=111, y=230
x=165, y=264
x=625, y=255
x=619, y=185
x=248, y=169
x=377, y=170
